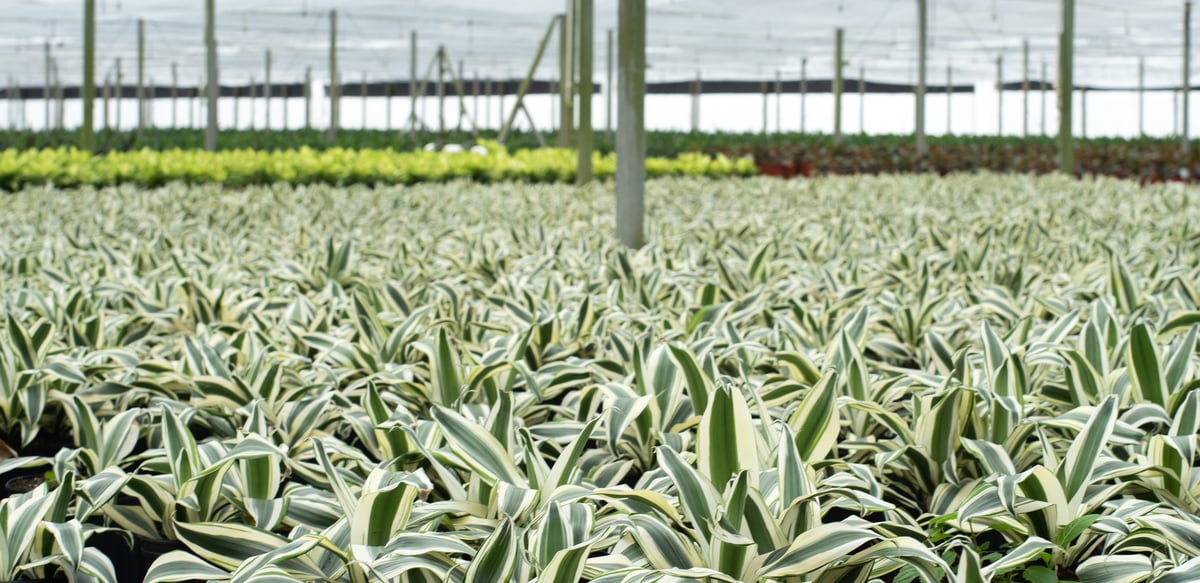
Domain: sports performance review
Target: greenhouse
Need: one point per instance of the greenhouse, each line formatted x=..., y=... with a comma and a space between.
x=605, y=291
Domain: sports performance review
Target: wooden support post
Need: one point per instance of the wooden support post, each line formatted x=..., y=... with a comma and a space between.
x=838, y=64
x=609, y=89
x=212, y=85
x=1141, y=96
x=308, y=98
x=267, y=94
x=335, y=90
x=803, y=95
x=141, y=78
x=585, y=137
x=631, y=124
x=922, y=54
x=87, y=133
x=1187, y=77
x=1066, y=89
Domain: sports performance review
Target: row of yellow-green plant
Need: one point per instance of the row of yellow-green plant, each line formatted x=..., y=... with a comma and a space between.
x=68, y=167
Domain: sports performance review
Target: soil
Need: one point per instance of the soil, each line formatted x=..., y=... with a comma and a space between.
x=23, y=484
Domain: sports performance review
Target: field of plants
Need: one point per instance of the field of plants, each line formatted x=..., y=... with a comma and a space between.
x=1148, y=160
x=975, y=378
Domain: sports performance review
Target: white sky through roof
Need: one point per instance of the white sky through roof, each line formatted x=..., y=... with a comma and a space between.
x=720, y=38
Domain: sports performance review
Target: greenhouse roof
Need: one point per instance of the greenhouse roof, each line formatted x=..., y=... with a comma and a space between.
x=720, y=39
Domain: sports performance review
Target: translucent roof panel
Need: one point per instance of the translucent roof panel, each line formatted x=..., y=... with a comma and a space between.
x=719, y=38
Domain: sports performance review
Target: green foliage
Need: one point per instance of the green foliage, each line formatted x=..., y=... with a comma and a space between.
x=976, y=378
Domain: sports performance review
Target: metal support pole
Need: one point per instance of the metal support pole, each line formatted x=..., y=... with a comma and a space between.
x=334, y=86
x=523, y=88
x=765, y=118
x=609, y=89
x=696, y=103
x=87, y=134
x=585, y=137
x=308, y=98
x=387, y=101
x=1000, y=96
x=922, y=54
x=237, y=107
x=1083, y=112
x=267, y=94
x=212, y=86
x=489, y=91
x=475, y=96
x=195, y=107
x=1045, y=82
x=949, y=99
x=862, y=100
x=46, y=90
x=174, y=96
x=252, y=88
x=462, y=100
x=631, y=125
x=1142, y=96
x=778, y=101
x=120, y=94
x=566, y=77
x=1066, y=88
x=838, y=86
x=362, y=92
x=107, y=96
x=141, y=77
x=284, y=94
x=441, y=94
x=1025, y=89
x=412, y=81
x=59, y=97
x=1187, y=76
x=803, y=94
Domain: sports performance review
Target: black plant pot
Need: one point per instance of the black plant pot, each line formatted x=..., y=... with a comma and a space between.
x=116, y=546
x=22, y=481
x=149, y=550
